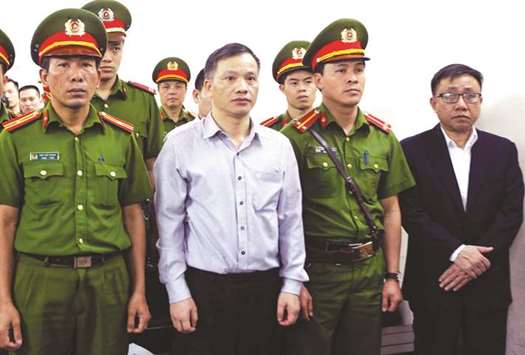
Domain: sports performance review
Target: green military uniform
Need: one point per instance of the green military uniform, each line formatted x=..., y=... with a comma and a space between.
x=7, y=59
x=185, y=116
x=346, y=295
x=277, y=122
x=71, y=284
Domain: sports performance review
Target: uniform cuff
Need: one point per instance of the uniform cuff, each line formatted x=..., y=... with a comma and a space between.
x=292, y=286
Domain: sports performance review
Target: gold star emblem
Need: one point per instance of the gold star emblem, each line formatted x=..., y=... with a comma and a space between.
x=348, y=35
x=75, y=27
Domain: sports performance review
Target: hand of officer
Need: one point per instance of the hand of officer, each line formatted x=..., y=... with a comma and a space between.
x=391, y=296
x=307, y=305
x=472, y=261
x=10, y=321
x=453, y=278
x=288, y=308
x=184, y=315
x=138, y=310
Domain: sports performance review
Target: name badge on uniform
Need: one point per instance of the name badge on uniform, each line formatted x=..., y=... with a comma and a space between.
x=321, y=150
x=44, y=156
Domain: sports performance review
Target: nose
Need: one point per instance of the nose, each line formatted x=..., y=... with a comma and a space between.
x=76, y=73
x=461, y=104
x=242, y=86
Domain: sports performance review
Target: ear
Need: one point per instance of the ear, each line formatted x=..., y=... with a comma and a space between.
x=318, y=80
x=433, y=103
x=43, y=76
x=207, y=85
x=281, y=87
x=195, y=94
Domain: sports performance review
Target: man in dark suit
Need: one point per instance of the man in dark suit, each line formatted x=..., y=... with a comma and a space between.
x=461, y=218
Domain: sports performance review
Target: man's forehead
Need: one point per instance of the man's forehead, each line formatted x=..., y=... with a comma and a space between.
x=463, y=81
x=246, y=61
x=116, y=38
x=299, y=75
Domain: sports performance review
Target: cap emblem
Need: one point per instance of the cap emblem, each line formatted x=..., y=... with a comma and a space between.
x=349, y=35
x=172, y=65
x=298, y=53
x=75, y=27
x=106, y=15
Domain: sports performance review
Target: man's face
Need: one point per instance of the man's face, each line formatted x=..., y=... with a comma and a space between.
x=29, y=100
x=110, y=64
x=234, y=85
x=172, y=94
x=299, y=89
x=72, y=81
x=457, y=117
x=342, y=83
x=11, y=93
x=202, y=100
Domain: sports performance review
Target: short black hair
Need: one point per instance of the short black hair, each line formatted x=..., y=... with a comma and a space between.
x=199, y=80
x=227, y=51
x=453, y=71
x=27, y=87
x=15, y=83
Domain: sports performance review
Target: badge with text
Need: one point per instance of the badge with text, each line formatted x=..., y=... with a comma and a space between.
x=44, y=156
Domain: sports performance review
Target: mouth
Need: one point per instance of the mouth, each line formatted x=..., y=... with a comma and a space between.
x=352, y=91
x=302, y=97
x=106, y=69
x=76, y=92
x=242, y=100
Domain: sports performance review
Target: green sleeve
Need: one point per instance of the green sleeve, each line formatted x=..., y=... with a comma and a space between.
x=398, y=178
x=11, y=181
x=155, y=131
x=136, y=187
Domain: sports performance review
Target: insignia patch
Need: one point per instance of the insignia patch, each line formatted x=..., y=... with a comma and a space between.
x=44, y=156
x=298, y=53
x=173, y=65
x=348, y=35
x=106, y=15
x=321, y=150
x=75, y=27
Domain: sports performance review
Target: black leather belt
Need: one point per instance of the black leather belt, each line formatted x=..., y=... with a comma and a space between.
x=75, y=261
x=339, y=251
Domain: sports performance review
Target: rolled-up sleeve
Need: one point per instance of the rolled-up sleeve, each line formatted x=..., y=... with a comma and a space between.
x=170, y=197
x=291, y=233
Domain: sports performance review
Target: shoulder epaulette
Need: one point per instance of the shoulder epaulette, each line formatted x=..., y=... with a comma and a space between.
x=126, y=126
x=142, y=87
x=20, y=121
x=270, y=121
x=191, y=114
x=382, y=125
x=307, y=121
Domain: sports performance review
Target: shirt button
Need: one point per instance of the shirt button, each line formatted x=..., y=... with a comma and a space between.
x=325, y=165
x=113, y=174
x=347, y=139
x=376, y=166
x=43, y=172
x=356, y=218
x=80, y=207
x=349, y=166
x=242, y=228
x=241, y=203
x=76, y=139
x=79, y=172
x=106, y=105
x=81, y=241
x=243, y=252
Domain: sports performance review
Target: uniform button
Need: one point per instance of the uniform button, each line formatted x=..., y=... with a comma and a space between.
x=43, y=172
x=79, y=172
x=243, y=252
x=356, y=218
x=325, y=165
x=106, y=105
x=113, y=174
x=349, y=166
x=81, y=241
x=80, y=207
x=136, y=134
x=76, y=139
x=347, y=139
x=376, y=166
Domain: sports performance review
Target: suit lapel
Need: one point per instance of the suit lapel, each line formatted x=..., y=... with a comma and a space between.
x=443, y=169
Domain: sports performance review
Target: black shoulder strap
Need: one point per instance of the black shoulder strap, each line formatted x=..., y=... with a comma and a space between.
x=350, y=184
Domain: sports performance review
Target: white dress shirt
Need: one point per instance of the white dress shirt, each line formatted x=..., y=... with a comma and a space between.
x=228, y=209
x=460, y=158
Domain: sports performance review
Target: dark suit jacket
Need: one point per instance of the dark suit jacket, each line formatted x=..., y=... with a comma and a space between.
x=437, y=224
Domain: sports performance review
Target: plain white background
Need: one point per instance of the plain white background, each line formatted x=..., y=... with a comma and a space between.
x=408, y=42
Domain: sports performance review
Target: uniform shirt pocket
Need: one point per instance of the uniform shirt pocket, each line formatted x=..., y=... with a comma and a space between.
x=371, y=170
x=320, y=177
x=267, y=187
x=108, y=178
x=44, y=182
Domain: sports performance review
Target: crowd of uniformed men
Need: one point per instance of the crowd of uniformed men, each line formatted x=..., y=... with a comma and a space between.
x=266, y=242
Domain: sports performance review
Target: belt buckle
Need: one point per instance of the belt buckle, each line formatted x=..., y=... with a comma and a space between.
x=82, y=262
x=365, y=250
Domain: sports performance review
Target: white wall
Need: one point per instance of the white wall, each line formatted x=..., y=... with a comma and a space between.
x=409, y=41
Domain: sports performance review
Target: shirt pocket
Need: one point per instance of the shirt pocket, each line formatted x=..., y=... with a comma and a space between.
x=44, y=182
x=268, y=184
x=370, y=172
x=320, y=178
x=108, y=179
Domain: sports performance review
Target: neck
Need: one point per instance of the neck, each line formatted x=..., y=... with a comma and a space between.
x=460, y=138
x=236, y=128
x=296, y=113
x=345, y=116
x=173, y=112
x=105, y=86
x=73, y=119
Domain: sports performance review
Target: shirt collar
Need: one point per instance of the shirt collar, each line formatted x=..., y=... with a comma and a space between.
x=211, y=128
x=51, y=118
x=470, y=141
x=359, y=123
x=118, y=89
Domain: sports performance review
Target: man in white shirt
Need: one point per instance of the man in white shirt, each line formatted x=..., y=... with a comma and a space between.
x=461, y=218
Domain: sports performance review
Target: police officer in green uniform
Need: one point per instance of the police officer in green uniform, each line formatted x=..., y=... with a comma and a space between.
x=70, y=218
x=129, y=100
x=348, y=283
x=295, y=82
x=7, y=59
x=172, y=75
